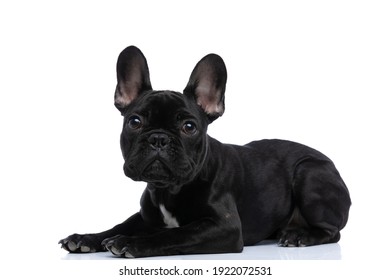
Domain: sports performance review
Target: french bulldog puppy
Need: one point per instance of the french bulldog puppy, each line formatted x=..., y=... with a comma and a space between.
x=203, y=196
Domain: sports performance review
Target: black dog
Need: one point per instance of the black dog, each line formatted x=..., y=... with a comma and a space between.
x=203, y=196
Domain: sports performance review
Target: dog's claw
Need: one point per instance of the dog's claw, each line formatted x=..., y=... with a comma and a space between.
x=72, y=246
x=63, y=241
x=115, y=251
x=124, y=250
x=300, y=244
x=108, y=244
x=85, y=249
x=283, y=243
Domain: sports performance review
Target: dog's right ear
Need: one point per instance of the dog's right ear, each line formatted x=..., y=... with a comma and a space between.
x=133, y=77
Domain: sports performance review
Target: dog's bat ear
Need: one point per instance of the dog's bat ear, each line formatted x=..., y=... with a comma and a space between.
x=207, y=85
x=132, y=75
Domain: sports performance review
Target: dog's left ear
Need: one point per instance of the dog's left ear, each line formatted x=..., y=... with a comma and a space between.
x=207, y=85
x=133, y=77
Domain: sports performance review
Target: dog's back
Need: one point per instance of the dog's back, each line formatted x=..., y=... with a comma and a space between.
x=295, y=190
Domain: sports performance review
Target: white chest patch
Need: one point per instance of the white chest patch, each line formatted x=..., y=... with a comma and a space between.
x=169, y=220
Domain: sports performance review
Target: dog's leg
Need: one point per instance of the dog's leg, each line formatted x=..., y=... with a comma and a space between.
x=200, y=237
x=321, y=205
x=89, y=243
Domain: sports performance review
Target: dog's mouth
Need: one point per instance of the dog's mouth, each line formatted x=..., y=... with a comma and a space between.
x=157, y=172
x=153, y=171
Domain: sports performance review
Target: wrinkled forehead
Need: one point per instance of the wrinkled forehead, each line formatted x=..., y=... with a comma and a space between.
x=158, y=104
x=164, y=100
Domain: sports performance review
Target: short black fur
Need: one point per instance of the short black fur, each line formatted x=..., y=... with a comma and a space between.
x=203, y=196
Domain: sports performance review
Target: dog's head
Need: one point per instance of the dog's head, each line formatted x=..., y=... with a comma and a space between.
x=164, y=137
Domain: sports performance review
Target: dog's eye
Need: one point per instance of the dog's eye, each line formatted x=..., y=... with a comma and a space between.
x=189, y=128
x=135, y=122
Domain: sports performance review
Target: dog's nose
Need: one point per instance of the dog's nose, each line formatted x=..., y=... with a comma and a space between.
x=158, y=140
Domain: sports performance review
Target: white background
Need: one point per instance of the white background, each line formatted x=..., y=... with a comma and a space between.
x=316, y=72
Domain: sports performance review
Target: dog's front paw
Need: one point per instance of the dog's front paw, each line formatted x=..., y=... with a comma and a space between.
x=119, y=245
x=82, y=243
